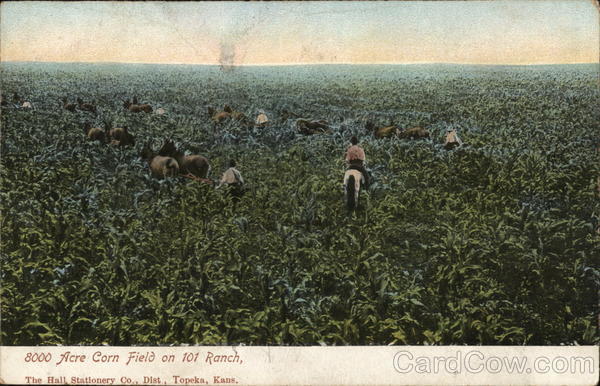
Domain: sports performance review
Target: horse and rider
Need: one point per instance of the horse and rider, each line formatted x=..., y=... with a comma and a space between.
x=356, y=174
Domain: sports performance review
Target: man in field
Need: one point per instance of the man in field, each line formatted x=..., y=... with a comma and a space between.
x=261, y=120
x=355, y=159
x=232, y=178
x=452, y=140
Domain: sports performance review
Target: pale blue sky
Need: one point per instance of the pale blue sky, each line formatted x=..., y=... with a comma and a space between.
x=503, y=32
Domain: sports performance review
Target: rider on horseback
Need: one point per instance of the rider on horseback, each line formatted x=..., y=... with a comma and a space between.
x=355, y=159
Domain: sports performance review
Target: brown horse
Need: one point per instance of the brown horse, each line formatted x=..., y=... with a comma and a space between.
x=86, y=106
x=94, y=133
x=309, y=127
x=226, y=114
x=285, y=115
x=413, y=133
x=161, y=166
x=382, y=132
x=218, y=116
x=137, y=108
x=195, y=165
x=68, y=106
x=120, y=136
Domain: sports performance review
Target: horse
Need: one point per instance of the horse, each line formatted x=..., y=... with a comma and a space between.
x=352, y=181
x=382, y=132
x=195, y=165
x=68, y=106
x=161, y=166
x=414, y=133
x=119, y=136
x=310, y=127
x=227, y=114
x=285, y=115
x=86, y=106
x=136, y=108
x=94, y=133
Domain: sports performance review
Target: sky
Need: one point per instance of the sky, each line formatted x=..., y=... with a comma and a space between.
x=254, y=33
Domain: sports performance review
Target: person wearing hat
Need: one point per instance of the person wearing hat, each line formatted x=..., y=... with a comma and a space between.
x=232, y=178
x=355, y=159
x=261, y=120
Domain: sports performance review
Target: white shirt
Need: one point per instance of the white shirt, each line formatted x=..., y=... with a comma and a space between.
x=262, y=119
x=231, y=176
x=452, y=137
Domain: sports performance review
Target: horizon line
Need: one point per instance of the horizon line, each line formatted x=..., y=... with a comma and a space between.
x=298, y=64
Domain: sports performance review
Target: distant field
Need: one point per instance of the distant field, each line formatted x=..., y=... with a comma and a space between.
x=494, y=243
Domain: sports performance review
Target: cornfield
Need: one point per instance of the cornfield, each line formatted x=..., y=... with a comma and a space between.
x=495, y=242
